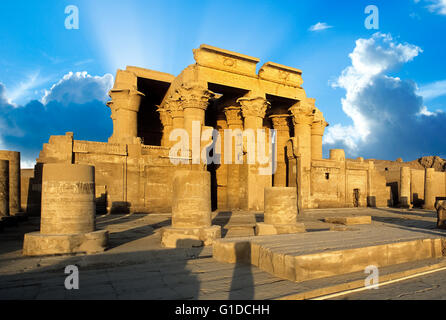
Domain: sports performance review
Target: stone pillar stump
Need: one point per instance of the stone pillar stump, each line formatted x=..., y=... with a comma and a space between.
x=4, y=188
x=68, y=213
x=280, y=214
x=191, y=211
x=14, y=179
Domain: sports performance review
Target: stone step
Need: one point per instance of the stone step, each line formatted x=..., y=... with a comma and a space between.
x=313, y=255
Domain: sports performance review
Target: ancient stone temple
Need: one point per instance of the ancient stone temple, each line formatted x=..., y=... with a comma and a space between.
x=261, y=126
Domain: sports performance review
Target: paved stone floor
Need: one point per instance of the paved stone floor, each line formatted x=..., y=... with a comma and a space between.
x=137, y=267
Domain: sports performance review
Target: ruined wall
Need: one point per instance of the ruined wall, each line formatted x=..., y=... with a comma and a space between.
x=417, y=187
x=129, y=178
x=25, y=176
x=439, y=186
x=327, y=184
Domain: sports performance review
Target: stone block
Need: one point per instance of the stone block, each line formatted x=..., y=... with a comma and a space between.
x=349, y=220
x=36, y=244
x=172, y=237
x=270, y=229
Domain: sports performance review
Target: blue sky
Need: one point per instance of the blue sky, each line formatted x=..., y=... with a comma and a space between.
x=47, y=70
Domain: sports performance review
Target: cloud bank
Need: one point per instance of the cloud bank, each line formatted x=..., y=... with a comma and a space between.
x=389, y=117
x=75, y=103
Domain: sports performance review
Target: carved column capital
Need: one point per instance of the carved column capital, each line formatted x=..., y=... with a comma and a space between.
x=194, y=95
x=173, y=106
x=302, y=112
x=112, y=108
x=234, y=116
x=254, y=106
x=319, y=123
x=280, y=122
x=128, y=99
x=165, y=116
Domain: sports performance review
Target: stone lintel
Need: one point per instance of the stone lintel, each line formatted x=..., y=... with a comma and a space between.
x=281, y=74
x=221, y=59
x=151, y=74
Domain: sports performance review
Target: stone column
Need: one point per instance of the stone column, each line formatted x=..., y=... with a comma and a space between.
x=113, y=117
x=14, y=180
x=302, y=113
x=4, y=188
x=126, y=104
x=235, y=123
x=167, y=122
x=254, y=108
x=405, y=187
x=194, y=100
x=68, y=213
x=280, y=214
x=222, y=168
x=191, y=211
x=317, y=132
x=280, y=124
x=429, y=189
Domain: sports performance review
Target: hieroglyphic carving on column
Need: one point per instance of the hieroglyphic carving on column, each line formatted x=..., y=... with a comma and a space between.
x=194, y=95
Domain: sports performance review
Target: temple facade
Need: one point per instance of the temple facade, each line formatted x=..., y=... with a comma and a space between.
x=223, y=101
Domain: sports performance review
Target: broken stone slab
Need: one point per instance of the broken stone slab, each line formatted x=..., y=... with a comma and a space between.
x=270, y=229
x=349, y=220
x=172, y=237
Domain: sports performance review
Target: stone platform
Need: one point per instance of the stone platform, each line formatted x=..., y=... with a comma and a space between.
x=306, y=256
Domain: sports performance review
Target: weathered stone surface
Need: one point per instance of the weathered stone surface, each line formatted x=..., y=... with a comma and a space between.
x=295, y=257
x=4, y=188
x=68, y=193
x=36, y=243
x=68, y=213
x=14, y=179
x=280, y=212
x=268, y=229
x=191, y=212
x=349, y=220
x=441, y=214
x=189, y=237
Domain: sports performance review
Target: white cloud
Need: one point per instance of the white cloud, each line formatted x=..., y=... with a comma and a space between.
x=79, y=87
x=75, y=103
x=437, y=6
x=388, y=115
x=433, y=90
x=320, y=26
x=17, y=94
